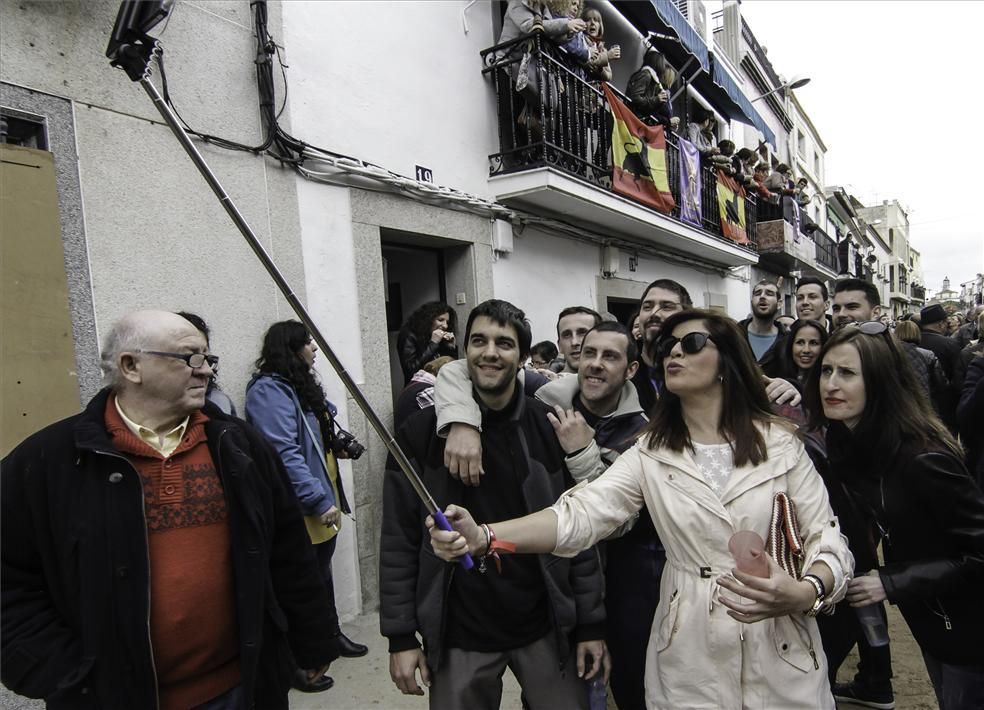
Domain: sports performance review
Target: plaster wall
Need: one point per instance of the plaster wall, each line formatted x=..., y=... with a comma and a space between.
x=398, y=84
x=155, y=236
x=546, y=273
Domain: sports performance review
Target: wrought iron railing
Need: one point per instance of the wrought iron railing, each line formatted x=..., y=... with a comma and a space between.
x=561, y=119
x=826, y=249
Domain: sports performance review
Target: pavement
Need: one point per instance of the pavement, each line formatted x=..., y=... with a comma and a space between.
x=360, y=683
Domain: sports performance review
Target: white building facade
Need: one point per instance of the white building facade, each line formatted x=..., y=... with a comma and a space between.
x=399, y=210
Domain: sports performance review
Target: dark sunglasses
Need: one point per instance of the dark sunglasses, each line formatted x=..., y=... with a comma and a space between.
x=691, y=344
x=868, y=327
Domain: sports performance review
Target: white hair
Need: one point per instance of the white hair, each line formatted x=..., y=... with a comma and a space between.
x=140, y=330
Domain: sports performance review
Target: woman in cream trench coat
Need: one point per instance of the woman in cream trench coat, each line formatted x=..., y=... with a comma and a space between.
x=699, y=656
x=707, y=648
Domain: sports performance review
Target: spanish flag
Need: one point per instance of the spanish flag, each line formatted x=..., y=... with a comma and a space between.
x=731, y=204
x=638, y=158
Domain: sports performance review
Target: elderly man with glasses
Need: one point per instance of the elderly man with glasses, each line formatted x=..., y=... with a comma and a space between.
x=153, y=554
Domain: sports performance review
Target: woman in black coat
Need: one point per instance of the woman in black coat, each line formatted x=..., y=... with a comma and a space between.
x=428, y=334
x=903, y=470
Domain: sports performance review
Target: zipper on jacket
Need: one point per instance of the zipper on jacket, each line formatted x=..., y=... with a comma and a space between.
x=942, y=614
x=809, y=641
x=143, y=514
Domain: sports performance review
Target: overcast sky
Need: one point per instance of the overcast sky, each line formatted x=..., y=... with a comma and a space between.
x=896, y=96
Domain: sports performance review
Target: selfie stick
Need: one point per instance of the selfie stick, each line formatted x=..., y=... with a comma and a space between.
x=135, y=60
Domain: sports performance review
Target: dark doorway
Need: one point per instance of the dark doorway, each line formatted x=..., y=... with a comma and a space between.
x=413, y=276
x=623, y=309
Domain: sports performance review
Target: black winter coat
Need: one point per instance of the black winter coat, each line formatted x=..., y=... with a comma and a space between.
x=414, y=354
x=771, y=360
x=931, y=514
x=76, y=577
x=414, y=581
x=970, y=417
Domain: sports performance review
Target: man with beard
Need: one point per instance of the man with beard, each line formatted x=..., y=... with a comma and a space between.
x=764, y=333
x=812, y=300
x=542, y=617
x=597, y=417
x=661, y=299
x=572, y=325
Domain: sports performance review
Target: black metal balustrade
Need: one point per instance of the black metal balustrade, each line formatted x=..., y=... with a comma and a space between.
x=826, y=249
x=560, y=119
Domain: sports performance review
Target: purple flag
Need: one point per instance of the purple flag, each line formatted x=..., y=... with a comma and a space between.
x=689, y=182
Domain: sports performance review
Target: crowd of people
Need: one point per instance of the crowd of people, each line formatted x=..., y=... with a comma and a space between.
x=680, y=429
x=574, y=34
x=685, y=506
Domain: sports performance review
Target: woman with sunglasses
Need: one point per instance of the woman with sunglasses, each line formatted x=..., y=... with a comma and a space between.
x=903, y=471
x=286, y=403
x=708, y=465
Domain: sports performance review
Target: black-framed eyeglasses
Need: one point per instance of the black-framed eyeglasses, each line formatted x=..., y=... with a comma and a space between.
x=868, y=327
x=192, y=360
x=691, y=344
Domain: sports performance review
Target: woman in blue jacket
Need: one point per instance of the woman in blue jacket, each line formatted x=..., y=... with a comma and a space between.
x=286, y=403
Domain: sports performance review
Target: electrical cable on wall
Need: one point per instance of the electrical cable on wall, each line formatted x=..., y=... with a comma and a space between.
x=333, y=168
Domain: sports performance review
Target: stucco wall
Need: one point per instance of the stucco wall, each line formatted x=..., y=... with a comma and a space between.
x=155, y=234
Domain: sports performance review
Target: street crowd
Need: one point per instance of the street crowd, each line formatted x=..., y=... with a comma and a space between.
x=685, y=506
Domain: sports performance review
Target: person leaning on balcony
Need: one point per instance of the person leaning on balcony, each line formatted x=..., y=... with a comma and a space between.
x=727, y=149
x=803, y=196
x=522, y=17
x=759, y=183
x=701, y=133
x=780, y=180
x=744, y=164
x=598, y=66
x=648, y=90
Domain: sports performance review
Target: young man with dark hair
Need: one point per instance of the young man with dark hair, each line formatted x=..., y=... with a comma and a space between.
x=812, y=300
x=660, y=299
x=572, y=324
x=764, y=333
x=542, y=617
x=855, y=301
x=596, y=418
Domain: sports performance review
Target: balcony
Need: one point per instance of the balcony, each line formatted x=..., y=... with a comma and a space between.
x=790, y=240
x=555, y=158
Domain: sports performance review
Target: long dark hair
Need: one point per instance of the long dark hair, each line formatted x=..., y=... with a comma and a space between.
x=788, y=369
x=744, y=400
x=894, y=412
x=420, y=321
x=280, y=355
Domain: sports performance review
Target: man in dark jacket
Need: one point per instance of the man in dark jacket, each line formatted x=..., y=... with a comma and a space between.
x=970, y=330
x=932, y=321
x=153, y=551
x=543, y=617
x=597, y=417
x=764, y=333
x=970, y=416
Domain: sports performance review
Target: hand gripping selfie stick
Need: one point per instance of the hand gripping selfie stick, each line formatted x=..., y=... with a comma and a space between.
x=131, y=49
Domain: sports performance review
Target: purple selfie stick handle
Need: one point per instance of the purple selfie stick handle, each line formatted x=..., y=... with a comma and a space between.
x=442, y=522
